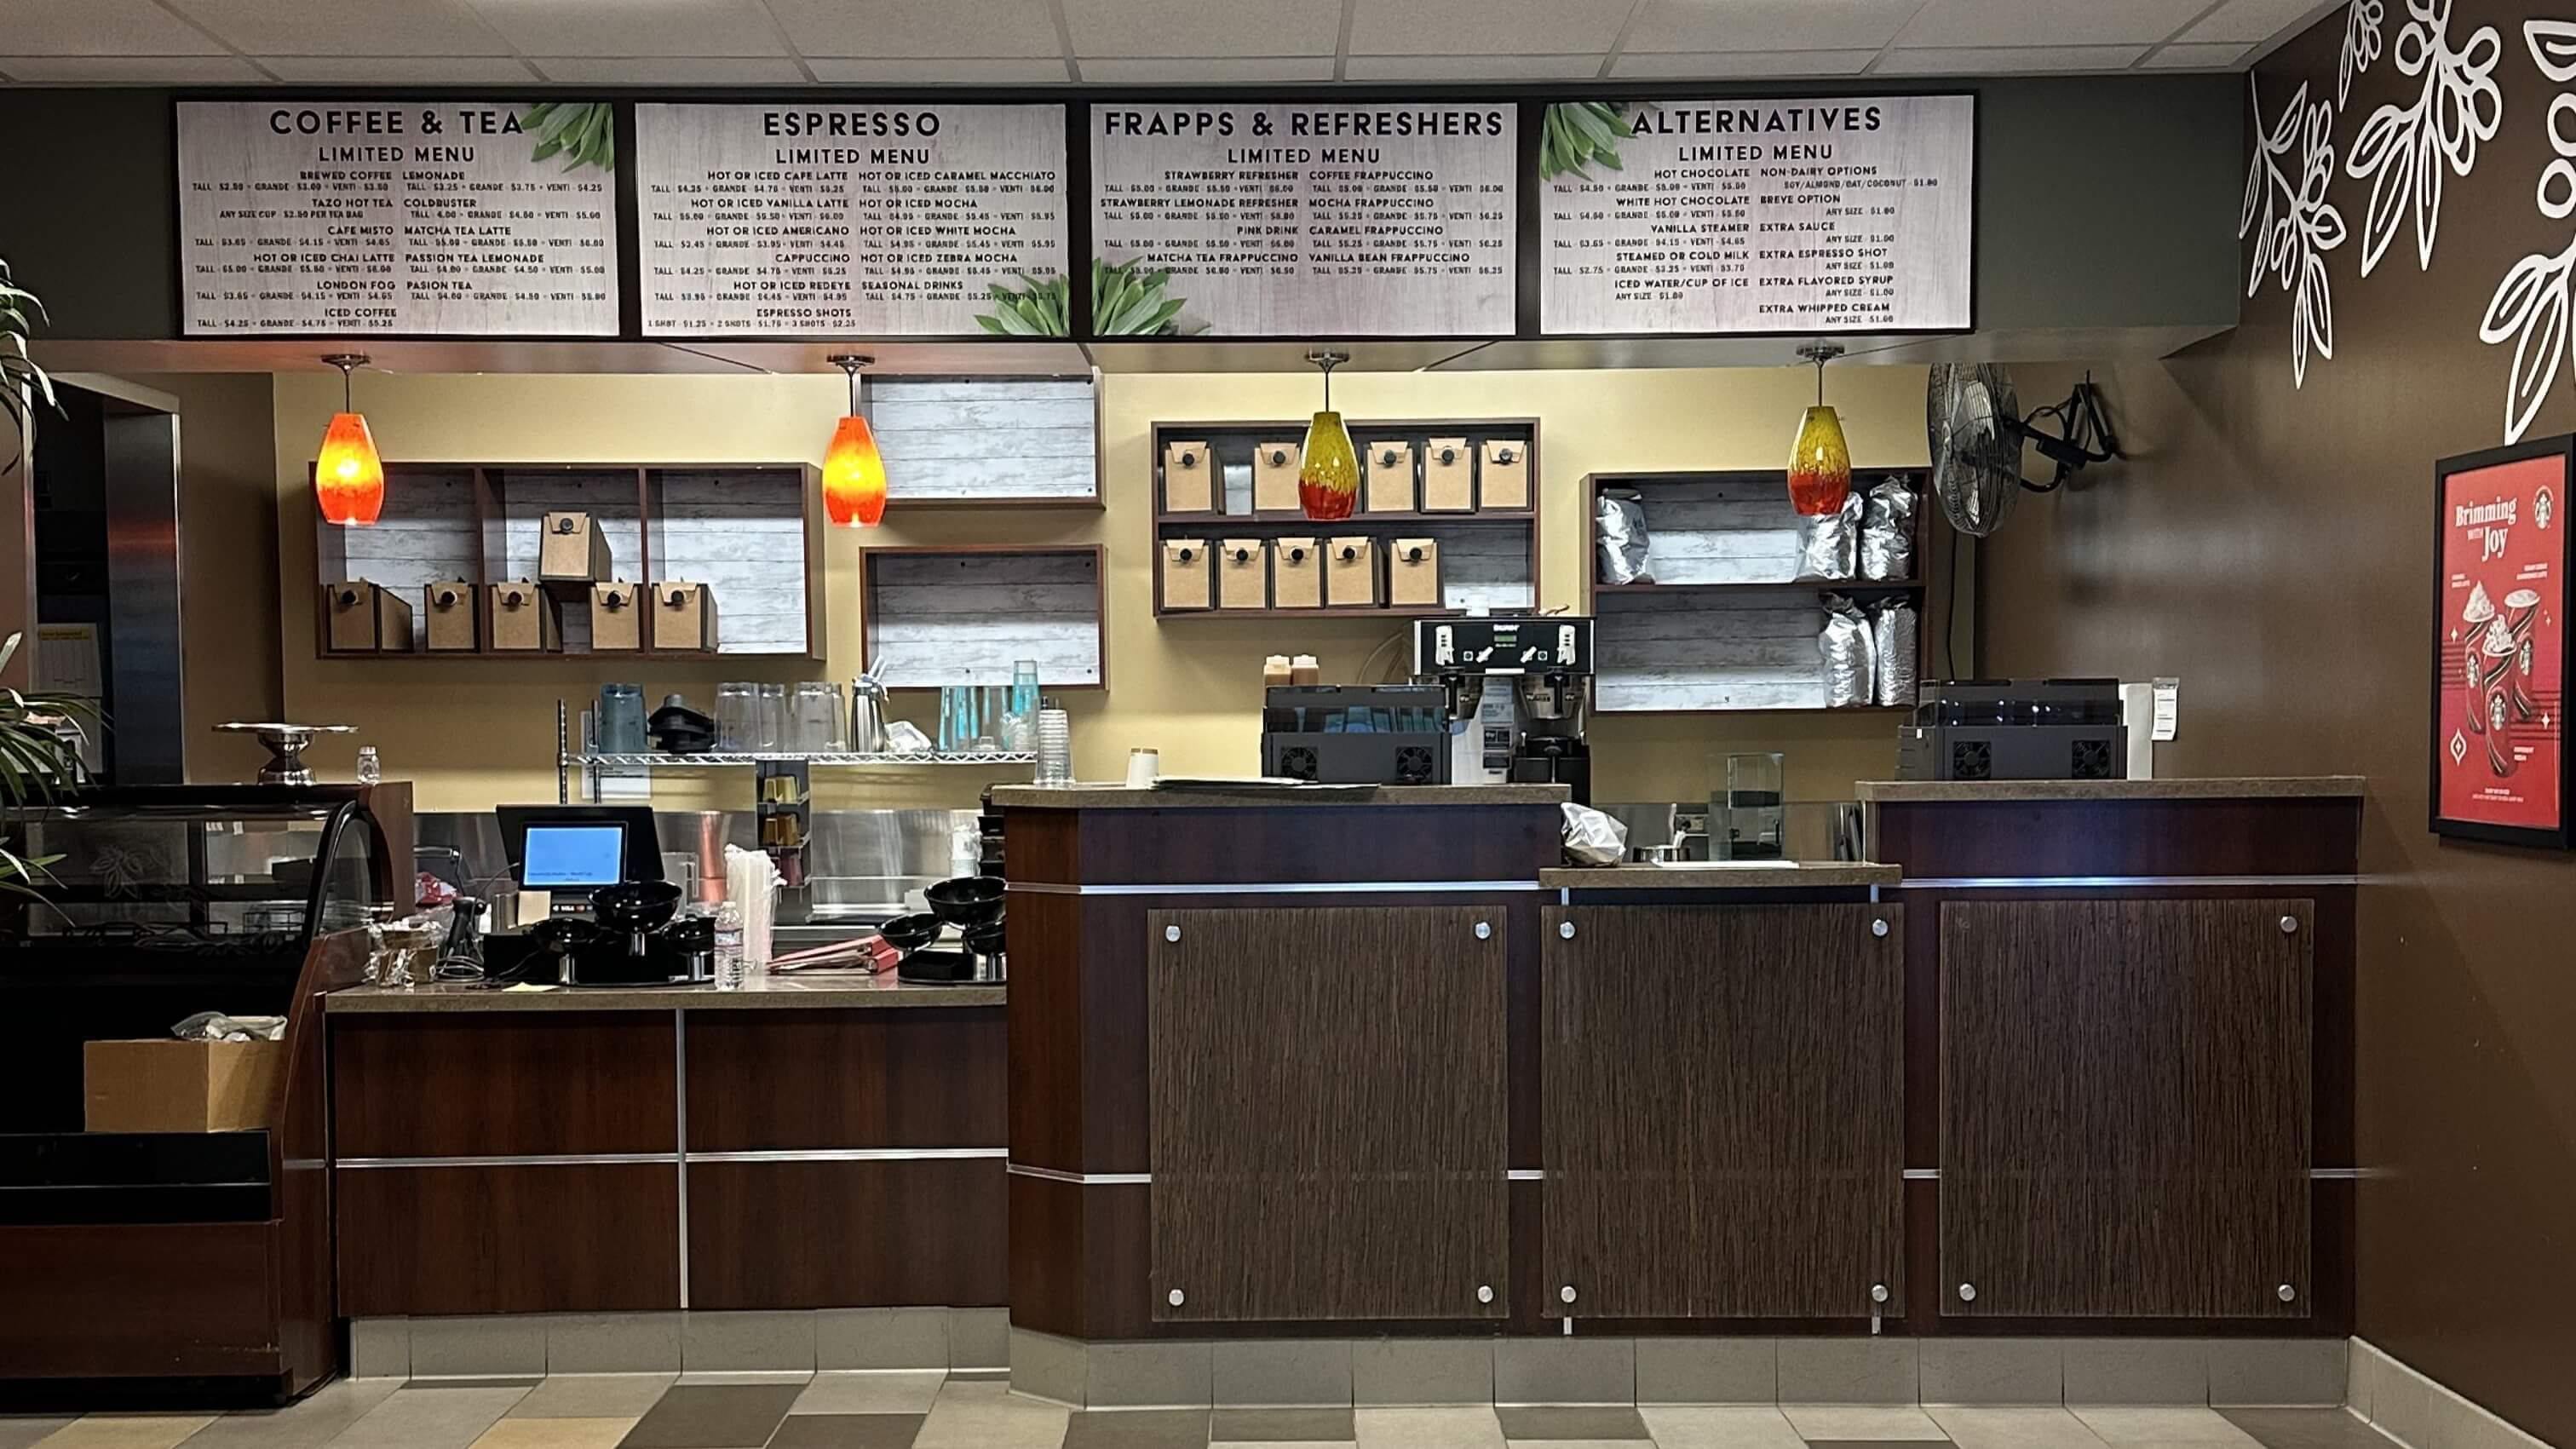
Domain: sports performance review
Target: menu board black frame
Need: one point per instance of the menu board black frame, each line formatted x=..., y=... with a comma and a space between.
x=1528, y=257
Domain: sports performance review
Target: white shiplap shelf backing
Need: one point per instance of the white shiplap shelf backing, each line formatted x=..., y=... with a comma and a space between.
x=740, y=532
x=935, y=618
x=984, y=440
x=1686, y=651
x=608, y=496
x=425, y=534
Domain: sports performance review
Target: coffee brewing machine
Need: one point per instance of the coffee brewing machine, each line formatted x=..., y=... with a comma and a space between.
x=1519, y=689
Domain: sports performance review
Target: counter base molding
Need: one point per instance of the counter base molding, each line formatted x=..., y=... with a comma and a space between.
x=960, y=1340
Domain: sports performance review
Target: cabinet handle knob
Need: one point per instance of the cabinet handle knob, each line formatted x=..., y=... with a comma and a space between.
x=1176, y=1298
x=1565, y=929
x=2286, y=1293
x=1878, y=928
x=1484, y=930
x=1484, y=1292
x=1171, y=933
x=1878, y=1293
x=1967, y=1292
x=2289, y=925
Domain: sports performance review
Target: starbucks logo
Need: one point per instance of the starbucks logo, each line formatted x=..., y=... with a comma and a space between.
x=2544, y=504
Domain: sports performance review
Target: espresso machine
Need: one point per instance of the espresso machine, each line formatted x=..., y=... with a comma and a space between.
x=1519, y=688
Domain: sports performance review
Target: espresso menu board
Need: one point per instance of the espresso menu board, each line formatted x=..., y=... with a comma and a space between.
x=427, y=218
x=1305, y=220
x=883, y=221
x=1817, y=215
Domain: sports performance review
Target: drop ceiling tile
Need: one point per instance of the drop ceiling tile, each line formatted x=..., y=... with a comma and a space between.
x=346, y=27
x=1158, y=28
x=397, y=70
x=685, y=28
x=668, y=70
x=1222, y=70
x=1744, y=64
x=894, y=28
x=2008, y=60
x=121, y=28
x=997, y=71
x=2255, y=21
x=2035, y=24
x=1486, y=27
x=132, y=70
x=1471, y=67
x=2197, y=57
x=1720, y=26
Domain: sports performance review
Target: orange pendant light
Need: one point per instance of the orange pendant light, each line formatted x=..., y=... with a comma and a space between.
x=348, y=477
x=1819, y=462
x=854, y=477
x=1328, y=476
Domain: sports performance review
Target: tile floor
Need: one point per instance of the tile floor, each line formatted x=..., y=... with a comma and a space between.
x=937, y=1410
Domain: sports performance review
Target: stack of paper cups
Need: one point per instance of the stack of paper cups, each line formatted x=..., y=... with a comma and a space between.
x=751, y=882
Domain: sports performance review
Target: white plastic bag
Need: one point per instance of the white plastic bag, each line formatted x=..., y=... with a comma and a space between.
x=1592, y=838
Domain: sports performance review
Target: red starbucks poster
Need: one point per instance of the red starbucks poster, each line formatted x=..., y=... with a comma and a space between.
x=2501, y=645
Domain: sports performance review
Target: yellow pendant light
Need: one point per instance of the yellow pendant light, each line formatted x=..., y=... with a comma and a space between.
x=1819, y=462
x=1328, y=477
x=348, y=477
x=854, y=477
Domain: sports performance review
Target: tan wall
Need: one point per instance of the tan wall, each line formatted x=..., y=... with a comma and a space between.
x=476, y=732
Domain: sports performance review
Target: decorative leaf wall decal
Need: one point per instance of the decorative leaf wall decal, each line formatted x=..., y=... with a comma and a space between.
x=2292, y=223
x=2360, y=45
x=2531, y=305
x=2553, y=47
x=2403, y=150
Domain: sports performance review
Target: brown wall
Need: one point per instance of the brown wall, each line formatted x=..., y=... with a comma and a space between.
x=2270, y=543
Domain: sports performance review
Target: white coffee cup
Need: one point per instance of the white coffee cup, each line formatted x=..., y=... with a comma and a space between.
x=1143, y=766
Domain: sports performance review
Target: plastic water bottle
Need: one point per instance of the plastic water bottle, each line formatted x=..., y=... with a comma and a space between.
x=729, y=947
x=370, y=771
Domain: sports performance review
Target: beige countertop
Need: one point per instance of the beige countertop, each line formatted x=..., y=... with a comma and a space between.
x=806, y=990
x=1768, y=876
x=2257, y=787
x=1119, y=797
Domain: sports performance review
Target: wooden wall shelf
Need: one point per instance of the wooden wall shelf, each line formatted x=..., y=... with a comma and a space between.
x=934, y=615
x=751, y=532
x=1015, y=442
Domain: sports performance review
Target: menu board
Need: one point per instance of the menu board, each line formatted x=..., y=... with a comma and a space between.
x=2500, y=752
x=1817, y=215
x=1305, y=220
x=405, y=217
x=880, y=221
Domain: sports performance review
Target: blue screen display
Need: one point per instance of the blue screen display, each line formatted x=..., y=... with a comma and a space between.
x=574, y=855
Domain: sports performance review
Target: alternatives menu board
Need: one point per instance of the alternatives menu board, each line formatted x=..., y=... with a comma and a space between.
x=404, y=217
x=1291, y=220
x=2500, y=729
x=865, y=220
x=1750, y=216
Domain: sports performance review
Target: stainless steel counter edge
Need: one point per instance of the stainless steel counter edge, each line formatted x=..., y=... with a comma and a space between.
x=788, y=995
x=2256, y=787
x=1822, y=875
x=1119, y=797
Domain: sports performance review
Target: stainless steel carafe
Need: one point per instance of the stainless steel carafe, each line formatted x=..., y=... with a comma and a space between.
x=867, y=716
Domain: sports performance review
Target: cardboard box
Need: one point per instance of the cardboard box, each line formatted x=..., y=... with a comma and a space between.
x=452, y=620
x=168, y=1085
x=1188, y=581
x=1243, y=574
x=616, y=618
x=1297, y=574
x=524, y=619
x=1503, y=480
x=360, y=618
x=1274, y=476
x=684, y=617
x=1413, y=573
x=1189, y=479
x=1350, y=572
x=1448, y=476
x=573, y=550
x=1388, y=484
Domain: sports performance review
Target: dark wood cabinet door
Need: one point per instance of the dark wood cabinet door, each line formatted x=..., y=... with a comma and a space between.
x=1327, y=1112
x=1723, y=1110
x=2125, y=1108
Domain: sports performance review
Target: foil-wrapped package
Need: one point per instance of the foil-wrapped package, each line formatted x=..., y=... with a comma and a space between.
x=1832, y=546
x=1887, y=533
x=1893, y=627
x=1851, y=663
x=1620, y=519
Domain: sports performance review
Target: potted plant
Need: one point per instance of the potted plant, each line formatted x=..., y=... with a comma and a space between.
x=22, y=382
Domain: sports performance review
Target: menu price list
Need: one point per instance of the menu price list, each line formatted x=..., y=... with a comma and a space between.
x=389, y=218
x=1290, y=220
x=1759, y=217
x=884, y=221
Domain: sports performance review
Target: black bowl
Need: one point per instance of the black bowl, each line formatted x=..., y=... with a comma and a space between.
x=986, y=939
x=910, y=933
x=968, y=900
x=635, y=905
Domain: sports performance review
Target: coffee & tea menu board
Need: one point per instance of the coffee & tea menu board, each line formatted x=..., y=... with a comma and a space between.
x=1288, y=220
x=1750, y=216
x=397, y=217
x=865, y=220
x=2500, y=727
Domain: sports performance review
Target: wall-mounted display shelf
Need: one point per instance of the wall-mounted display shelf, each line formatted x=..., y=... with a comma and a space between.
x=751, y=533
x=993, y=442
x=935, y=615
x=1466, y=487
x=1726, y=625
